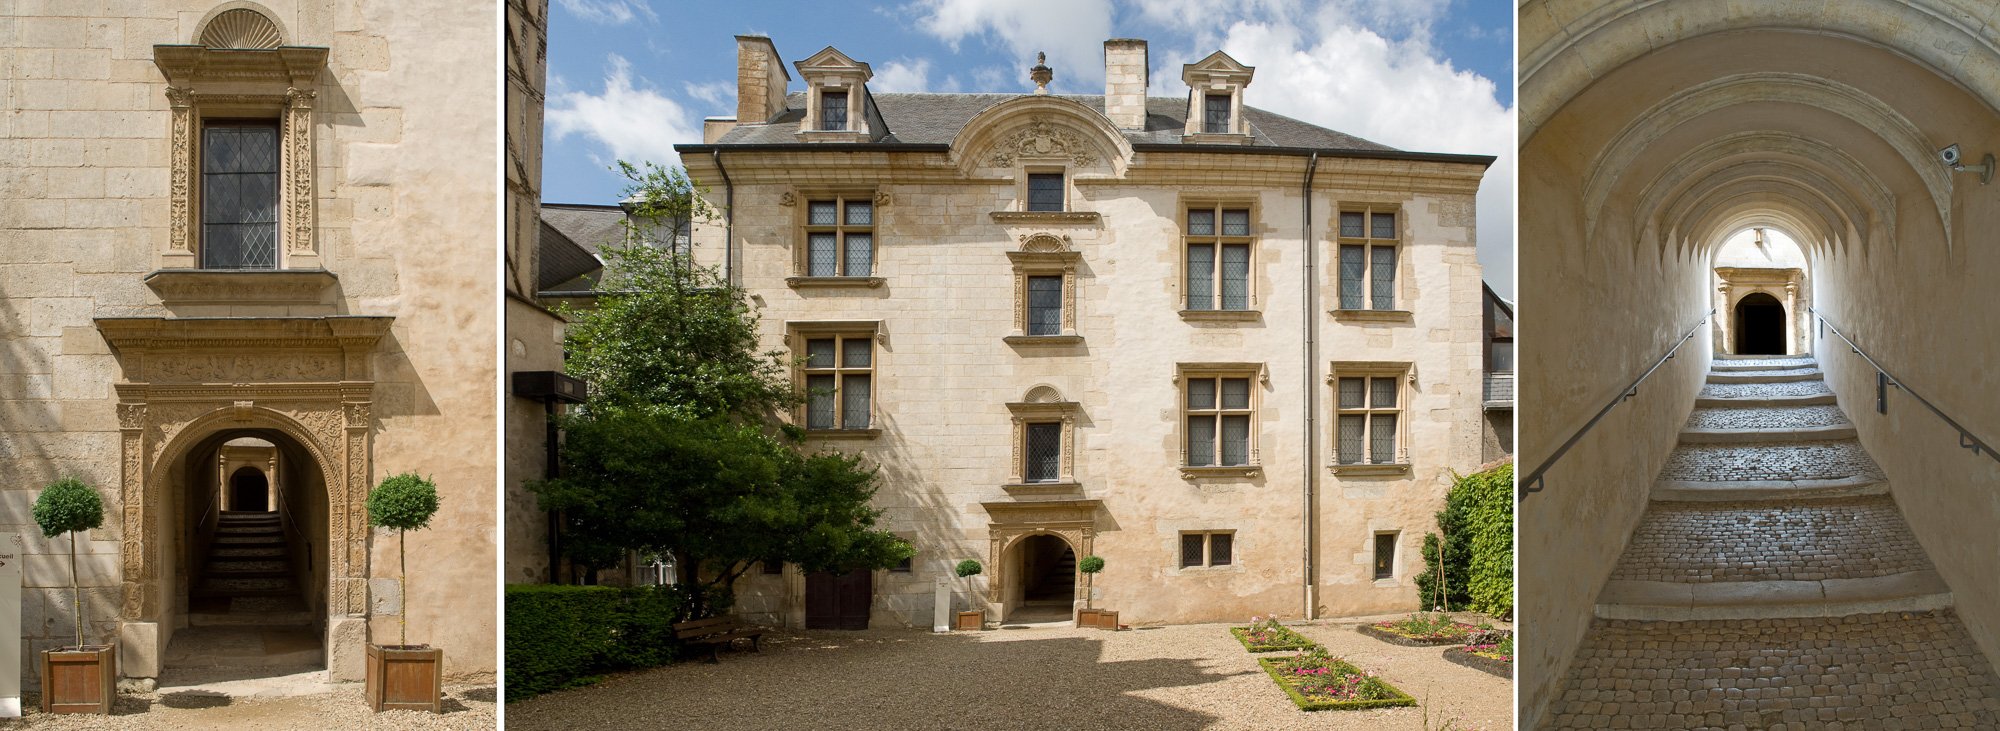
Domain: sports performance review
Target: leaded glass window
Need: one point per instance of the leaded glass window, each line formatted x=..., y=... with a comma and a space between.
x=840, y=238
x=1045, y=302
x=1368, y=260
x=1366, y=426
x=1218, y=259
x=1044, y=452
x=1207, y=549
x=833, y=110
x=239, y=195
x=1218, y=421
x=1045, y=191
x=1385, y=555
x=1215, y=114
x=839, y=371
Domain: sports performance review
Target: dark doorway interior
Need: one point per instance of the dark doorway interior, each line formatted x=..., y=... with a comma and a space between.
x=1048, y=569
x=1760, y=325
x=838, y=601
x=249, y=491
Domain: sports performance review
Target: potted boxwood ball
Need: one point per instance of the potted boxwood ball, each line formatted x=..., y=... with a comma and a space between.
x=976, y=619
x=80, y=678
x=404, y=676
x=1090, y=565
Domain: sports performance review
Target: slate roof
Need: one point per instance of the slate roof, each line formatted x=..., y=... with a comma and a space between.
x=936, y=119
x=572, y=252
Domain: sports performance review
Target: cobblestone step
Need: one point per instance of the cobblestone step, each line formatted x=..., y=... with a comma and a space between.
x=1870, y=671
x=1747, y=394
x=1773, y=434
x=1793, y=375
x=1793, y=540
x=1756, y=461
x=1667, y=601
x=1768, y=359
x=1684, y=491
x=1762, y=364
x=1772, y=417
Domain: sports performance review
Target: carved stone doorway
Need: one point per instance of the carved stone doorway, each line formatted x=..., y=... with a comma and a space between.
x=1042, y=580
x=1072, y=523
x=1760, y=325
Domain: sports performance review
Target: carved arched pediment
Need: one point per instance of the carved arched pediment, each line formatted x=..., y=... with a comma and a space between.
x=240, y=28
x=1043, y=395
x=1044, y=243
x=1041, y=129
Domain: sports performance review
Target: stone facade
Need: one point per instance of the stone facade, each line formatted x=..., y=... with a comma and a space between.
x=533, y=332
x=365, y=351
x=957, y=373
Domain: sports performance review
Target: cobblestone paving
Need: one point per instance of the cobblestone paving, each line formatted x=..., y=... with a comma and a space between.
x=1769, y=461
x=1869, y=671
x=1790, y=417
x=1764, y=390
x=1806, y=371
x=1769, y=362
x=1848, y=538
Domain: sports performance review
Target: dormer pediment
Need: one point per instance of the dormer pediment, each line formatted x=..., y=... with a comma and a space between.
x=831, y=62
x=1215, y=100
x=1217, y=69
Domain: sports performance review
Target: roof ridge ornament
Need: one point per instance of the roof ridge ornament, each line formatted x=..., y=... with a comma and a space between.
x=1041, y=74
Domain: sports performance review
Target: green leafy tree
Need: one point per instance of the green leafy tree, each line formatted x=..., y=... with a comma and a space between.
x=1472, y=565
x=667, y=334
x=69, y=506
x=719, y=494
x=404, y=502
x=1090, y=565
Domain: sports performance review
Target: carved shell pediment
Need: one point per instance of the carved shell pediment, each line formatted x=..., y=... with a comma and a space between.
x=1043, y=395
x=1042, y=139
x=1044, y=242
x=241, y=28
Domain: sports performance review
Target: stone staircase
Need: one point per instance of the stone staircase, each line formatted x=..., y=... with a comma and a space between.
x=245, y=609
x=1773, y=584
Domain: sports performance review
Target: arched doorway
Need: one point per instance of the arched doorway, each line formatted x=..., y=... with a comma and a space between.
x=1760, y=325
x=247, y=523
x=248, y=490
x=1041, y=584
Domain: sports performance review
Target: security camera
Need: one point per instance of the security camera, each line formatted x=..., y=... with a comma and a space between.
x=1955, y=161
x=1949, y=155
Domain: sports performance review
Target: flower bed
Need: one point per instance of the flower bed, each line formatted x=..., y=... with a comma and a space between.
x=1266, y=635
x=1481, y=657
x=1420, y=630
x=1316, y=681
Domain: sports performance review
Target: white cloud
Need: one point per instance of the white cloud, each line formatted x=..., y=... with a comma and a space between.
x=635, y=122
x=718, y=94
x=1346, y=77
x=608, y=11
x=1071, y=32
x=903, y=75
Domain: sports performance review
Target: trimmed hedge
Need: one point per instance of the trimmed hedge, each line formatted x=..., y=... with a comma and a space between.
x=1271, y=666
x=566, y=636
x=1296, y=641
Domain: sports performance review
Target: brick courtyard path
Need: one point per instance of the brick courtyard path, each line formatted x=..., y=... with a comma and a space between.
x=1772, y=584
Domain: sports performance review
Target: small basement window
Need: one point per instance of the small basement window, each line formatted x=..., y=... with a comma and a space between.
x=1385, y=555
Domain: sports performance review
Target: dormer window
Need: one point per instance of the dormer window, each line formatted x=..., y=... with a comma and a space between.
x=1215, y=114
x=1215, y=100
x=239, y=194
x=833, y=111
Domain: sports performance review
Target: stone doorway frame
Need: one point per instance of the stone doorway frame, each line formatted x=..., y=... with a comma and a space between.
x=1735, y=283
x=184, y=379
x=1074, y=521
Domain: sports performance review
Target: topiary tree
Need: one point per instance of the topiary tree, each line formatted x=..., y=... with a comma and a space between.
x=968, y=568
x=404, y=502
x=1090, y=565
x=67, y=506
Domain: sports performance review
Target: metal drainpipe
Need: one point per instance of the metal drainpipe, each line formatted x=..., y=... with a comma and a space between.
x=1311, y=296
x=728, y=222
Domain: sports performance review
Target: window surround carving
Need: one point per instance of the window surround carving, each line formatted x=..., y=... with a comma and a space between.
x=831, y=70
x=1254, y=240
x=800, y=201
x=1216, y=74
x=277, y=83
x=1043, y=404
x=1368, y=313
x=796, y=335
x=1260, y=379
x=1406, y=380
x=1045, y=254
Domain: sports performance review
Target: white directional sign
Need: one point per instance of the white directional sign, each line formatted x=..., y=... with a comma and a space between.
x=10, y=625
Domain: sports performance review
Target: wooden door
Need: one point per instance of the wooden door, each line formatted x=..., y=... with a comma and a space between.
x=839, y=601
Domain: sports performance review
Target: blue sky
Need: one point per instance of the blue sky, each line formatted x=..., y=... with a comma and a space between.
x=631, y=78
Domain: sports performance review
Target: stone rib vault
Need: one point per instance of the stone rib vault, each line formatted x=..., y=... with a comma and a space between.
x=1773, y=584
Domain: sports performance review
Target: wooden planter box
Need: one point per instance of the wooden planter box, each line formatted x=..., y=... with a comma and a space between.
x=1086, y=617
x=971, y=621
x=405, y=678
x=80, y=680
x=1107, y=619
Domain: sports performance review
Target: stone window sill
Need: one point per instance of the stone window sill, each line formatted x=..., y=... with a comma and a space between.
x=241, y=286
x=1234, y=568
x=831, y=135
x=843, y=433
x=1371, y=469
x=1043, y=339
x=1044, y=216
x=1044, y=490
x=1387, y=583
x=1373, y=315
x=1216, y=138
x=1240, y=470
x=1221, y=315
x=807, y=282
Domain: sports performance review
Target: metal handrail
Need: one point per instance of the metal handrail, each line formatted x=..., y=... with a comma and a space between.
x=1883, y=380
x=1535, y=478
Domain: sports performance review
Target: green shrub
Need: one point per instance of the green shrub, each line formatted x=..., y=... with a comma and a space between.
x=403, y=502
x=1090, y=564
x=68, y=505
x=565, y=636
x=968, y=567
x=1477, y=552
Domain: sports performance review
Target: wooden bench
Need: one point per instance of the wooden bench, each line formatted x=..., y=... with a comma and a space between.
x=716, y=633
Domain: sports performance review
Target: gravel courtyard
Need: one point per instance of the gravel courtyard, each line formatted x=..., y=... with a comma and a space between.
x=1179, y=677
x=467, y=708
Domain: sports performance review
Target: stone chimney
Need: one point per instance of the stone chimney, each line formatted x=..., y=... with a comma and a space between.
x=1125, y=82
x=760, y=80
